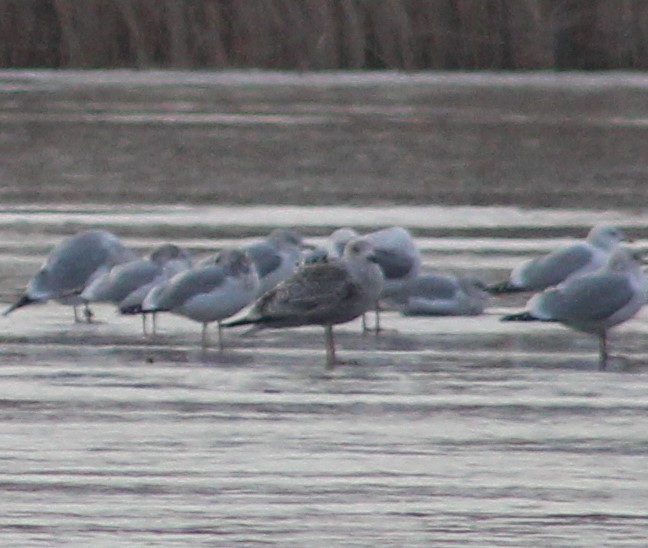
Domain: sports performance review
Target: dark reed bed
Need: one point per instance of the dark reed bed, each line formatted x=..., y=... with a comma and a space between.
x=325, y=34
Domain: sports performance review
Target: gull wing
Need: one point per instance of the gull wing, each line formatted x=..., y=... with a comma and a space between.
x=188, y=284
x=393, y=264
x=594, y=297
x=554, y=268
x=265, y=258
x=315, y=293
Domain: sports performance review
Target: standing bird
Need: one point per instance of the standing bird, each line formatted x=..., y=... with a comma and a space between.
x=326, y=294
x=71, y=266
x=594, y=302
x=126, y=285
x=333, y=247
x=275, y=258
x=209, y=293
x=572, y=260
x=398, y=257
x=442, y=295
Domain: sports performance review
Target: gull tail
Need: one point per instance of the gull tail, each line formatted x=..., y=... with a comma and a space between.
x=242, y=321
x=154, y=310
x=257, y=322
x=503, y=288
x=520, y=317
x=132, y=309
x=23, y=301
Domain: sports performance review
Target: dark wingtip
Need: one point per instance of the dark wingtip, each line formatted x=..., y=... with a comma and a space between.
x=152, y=310
x=519, y=317
x=254, y=320
x=131, y=310
x=503, y=288
x=235, y=323
x=23, y=301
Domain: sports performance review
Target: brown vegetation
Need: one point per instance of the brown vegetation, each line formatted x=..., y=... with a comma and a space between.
x=325, y=34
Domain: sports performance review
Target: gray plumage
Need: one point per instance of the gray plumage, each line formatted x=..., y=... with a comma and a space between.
x=276, y=257
x=72, y=265
x=397, y=255
x=400, y=261
x=572, y=260
x=594, y=302
x=209, y=293
x=126, y=285
x=333, y=248
x=435, y=294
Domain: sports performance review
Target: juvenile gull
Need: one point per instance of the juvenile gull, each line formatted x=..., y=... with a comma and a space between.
x=71, y=266
x=436, y=294
x=326, y=294
x=594, y=302
x=126, y=285
x=275, y=258
x=572, y=260
x=209, y=293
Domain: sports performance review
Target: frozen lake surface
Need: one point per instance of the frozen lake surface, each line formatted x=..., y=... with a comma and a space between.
x=440, y=432
x=448, y=431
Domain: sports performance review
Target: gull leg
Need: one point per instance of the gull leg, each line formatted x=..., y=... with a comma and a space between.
x=377, y=327
x=76, y=314
x=220, y=336
x=144, y=331
x=154, y=323
x=365, y=323
x=204, y=337
x=603, y=352
x=87, y=313
x=330, y=347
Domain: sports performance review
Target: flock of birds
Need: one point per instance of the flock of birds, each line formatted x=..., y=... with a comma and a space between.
x=280, y=281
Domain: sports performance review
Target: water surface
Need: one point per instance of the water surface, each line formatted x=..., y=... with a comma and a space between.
x=443, y=431
x=439, y=432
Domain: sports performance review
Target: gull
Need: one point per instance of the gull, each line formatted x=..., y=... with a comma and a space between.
x=338, y=240
x=126, y=285
x=436, y=294
x=276, y=257
x=209, y=293
x=594, y=302
x=398, y=257
x=71, y=266
x=333, y=247
x=326, y=294
x=573, y=260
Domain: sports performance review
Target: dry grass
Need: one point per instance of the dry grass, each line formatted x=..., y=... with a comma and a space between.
x=325, y=34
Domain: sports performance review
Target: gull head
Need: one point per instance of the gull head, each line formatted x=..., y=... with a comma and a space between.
x=606, y=237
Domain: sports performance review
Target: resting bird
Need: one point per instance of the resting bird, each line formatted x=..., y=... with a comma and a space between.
x=555, y=267
x=326, y=294
x=276, y=257
x=441, y=295
x=594, y=302
x=126, y=285
x=333, y=247
x=71, y=266
x=398, y=257
x=209, y=293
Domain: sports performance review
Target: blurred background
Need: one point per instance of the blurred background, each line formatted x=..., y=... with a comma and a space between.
x=536, y=103
x=325, y=34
